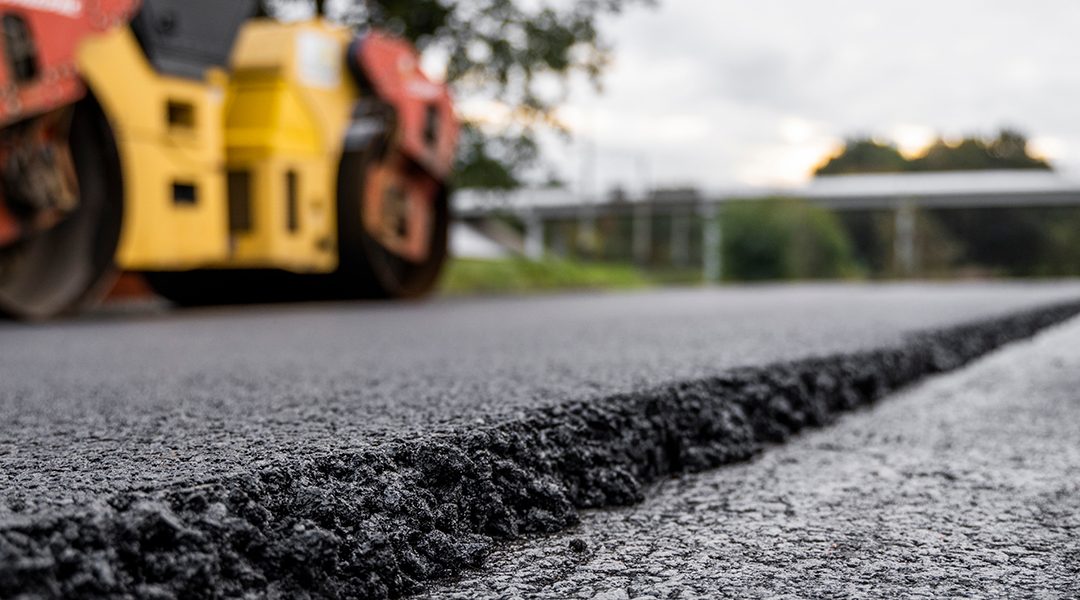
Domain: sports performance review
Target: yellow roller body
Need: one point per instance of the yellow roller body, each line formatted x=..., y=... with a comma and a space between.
x=172, y=152
x=289, y=102
x=239, y=170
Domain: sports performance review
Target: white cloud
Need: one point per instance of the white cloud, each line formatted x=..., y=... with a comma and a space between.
x=726, y=91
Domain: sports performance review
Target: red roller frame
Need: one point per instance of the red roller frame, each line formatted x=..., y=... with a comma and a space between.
x=392, y=66
x=57, y=27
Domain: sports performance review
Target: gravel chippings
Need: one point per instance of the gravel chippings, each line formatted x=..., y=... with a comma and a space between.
x=387, y=518
x=967, y=486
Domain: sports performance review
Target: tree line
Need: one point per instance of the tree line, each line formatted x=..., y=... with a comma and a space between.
x=1010, y=149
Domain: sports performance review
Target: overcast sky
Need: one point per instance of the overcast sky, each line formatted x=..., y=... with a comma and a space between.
x=728, y=92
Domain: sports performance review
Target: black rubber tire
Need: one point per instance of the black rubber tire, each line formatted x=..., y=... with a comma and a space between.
x=71, y=265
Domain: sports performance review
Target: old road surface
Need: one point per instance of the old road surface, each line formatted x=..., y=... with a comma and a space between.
x=374, y=450
x=966, y=486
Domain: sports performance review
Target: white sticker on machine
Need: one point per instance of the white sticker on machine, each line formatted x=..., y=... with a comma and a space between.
x=67, y=8
x=319, y=60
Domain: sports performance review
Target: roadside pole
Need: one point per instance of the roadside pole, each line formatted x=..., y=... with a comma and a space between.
x=680, y=237
x=642, y=232
x=712, y=261
x=534, y=236
x=904, y=248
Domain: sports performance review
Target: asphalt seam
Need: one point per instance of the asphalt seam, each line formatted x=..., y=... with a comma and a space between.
x=384, y=521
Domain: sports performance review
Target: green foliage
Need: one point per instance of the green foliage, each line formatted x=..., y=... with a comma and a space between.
x=779, y=239
x=507, y=44
x=1059, y=252
x=492, y=162
x=517, y=275
x=1016, y=241
x=865, y=155
x=507, y=49
x=972, y=242
x=1009, y=150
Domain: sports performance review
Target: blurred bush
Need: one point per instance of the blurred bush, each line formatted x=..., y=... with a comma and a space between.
x=782, y=238
x=1017, y=241
x=972, y=243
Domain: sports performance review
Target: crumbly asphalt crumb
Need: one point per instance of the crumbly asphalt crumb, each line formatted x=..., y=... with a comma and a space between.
x=965, y=486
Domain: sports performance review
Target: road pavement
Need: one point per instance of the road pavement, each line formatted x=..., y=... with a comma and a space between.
x=967, y=486
x=96, y=406
x=362, y=449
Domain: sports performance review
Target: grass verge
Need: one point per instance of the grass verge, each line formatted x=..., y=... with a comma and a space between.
x=517, y=275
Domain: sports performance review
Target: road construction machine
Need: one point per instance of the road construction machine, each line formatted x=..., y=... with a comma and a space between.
x=223, y=154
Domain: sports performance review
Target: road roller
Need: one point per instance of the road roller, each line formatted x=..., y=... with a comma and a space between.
x=224, y=155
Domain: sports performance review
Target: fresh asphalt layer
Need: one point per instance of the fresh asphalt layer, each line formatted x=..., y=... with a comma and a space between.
x=966, y=486
x=91, y=407
x=364, y=449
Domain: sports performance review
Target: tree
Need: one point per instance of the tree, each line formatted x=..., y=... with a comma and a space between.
x=492, y=162
x=1009, y=150
x=865, y=155
x=508, y=50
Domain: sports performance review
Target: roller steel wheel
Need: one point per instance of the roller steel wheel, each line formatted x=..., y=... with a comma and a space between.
x=393, y=226
x=70, y=264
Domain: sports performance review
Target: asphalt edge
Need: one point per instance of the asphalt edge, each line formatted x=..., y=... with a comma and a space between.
x=383, y=522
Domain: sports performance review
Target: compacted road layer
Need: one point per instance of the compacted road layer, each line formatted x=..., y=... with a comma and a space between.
x=95, y=406
x=967, y=486
x=361, y=450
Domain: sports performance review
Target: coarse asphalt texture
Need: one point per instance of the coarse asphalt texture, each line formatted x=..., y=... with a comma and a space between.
x=965, y=486
x=362, y=450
